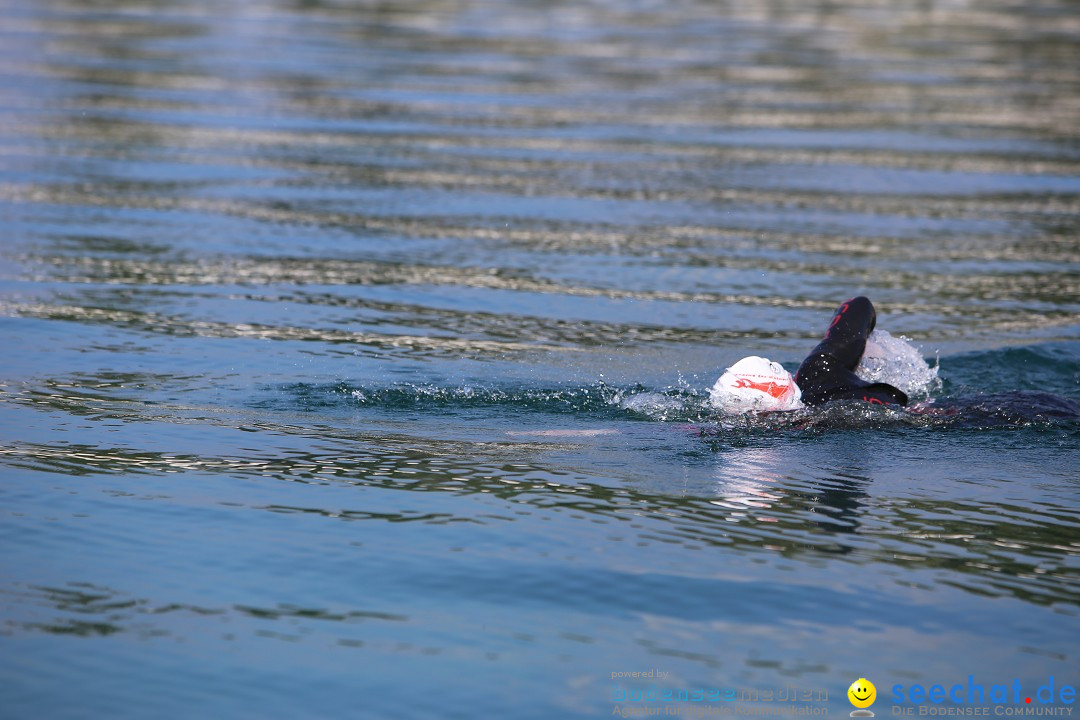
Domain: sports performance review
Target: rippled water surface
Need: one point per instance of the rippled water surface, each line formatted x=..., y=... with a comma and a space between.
x=357, y=354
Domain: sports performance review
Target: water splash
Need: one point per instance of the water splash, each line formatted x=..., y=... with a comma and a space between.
x=894, y=360
x=655, y=405
x=888, y=359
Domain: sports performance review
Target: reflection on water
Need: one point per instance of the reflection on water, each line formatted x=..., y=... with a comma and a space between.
x=357, y=352
x=125, y=614
x=765, y=498
x=750, y=480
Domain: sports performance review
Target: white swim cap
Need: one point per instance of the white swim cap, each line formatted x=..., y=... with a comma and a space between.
x=755, y=385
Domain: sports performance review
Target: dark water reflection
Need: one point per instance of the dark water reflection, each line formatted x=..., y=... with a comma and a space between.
x=356, y=353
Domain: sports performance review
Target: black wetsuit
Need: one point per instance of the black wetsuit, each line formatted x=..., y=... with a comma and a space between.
x=828, y=372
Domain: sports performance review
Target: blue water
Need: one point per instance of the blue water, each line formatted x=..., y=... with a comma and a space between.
x=357, y=355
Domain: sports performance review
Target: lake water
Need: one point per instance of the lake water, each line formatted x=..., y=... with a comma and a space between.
x=357, y=354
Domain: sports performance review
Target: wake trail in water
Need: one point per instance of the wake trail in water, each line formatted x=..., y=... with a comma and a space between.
x=602, y=403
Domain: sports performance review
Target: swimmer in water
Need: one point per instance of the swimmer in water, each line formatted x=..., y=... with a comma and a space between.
x=755, y=384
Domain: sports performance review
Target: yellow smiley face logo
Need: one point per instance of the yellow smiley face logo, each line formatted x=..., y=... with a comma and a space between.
x=862, y=693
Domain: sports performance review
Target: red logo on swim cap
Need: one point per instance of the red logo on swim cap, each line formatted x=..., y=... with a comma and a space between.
x=770, y=388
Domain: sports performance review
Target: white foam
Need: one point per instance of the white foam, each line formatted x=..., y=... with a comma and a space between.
x=894, y=360
x=657, y=406
x=591, y=432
